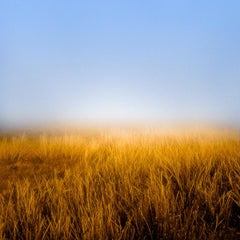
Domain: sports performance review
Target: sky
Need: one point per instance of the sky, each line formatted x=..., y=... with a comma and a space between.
x=112, y=61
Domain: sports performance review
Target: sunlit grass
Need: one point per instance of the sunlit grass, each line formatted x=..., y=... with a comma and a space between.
x=120, y=185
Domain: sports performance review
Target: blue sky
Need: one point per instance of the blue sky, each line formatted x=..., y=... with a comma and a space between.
x=101, y=61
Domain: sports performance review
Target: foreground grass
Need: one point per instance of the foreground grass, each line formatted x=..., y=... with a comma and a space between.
x=120, y=185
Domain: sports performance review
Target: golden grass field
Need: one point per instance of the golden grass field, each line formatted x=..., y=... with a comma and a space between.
x=120, y=184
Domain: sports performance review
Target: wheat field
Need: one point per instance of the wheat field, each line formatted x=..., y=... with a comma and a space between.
x=120, y=184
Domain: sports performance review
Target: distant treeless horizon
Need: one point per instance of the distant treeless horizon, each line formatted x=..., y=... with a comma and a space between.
x=119, y=62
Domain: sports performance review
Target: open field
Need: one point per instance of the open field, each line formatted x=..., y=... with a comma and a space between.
x=120, y=184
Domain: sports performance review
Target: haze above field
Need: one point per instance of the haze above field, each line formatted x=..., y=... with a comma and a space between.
x=119, y=61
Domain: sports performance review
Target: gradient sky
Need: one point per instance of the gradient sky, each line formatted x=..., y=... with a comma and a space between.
x=81, y=61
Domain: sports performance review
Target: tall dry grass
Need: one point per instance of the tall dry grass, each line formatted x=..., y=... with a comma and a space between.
x=120, y=185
